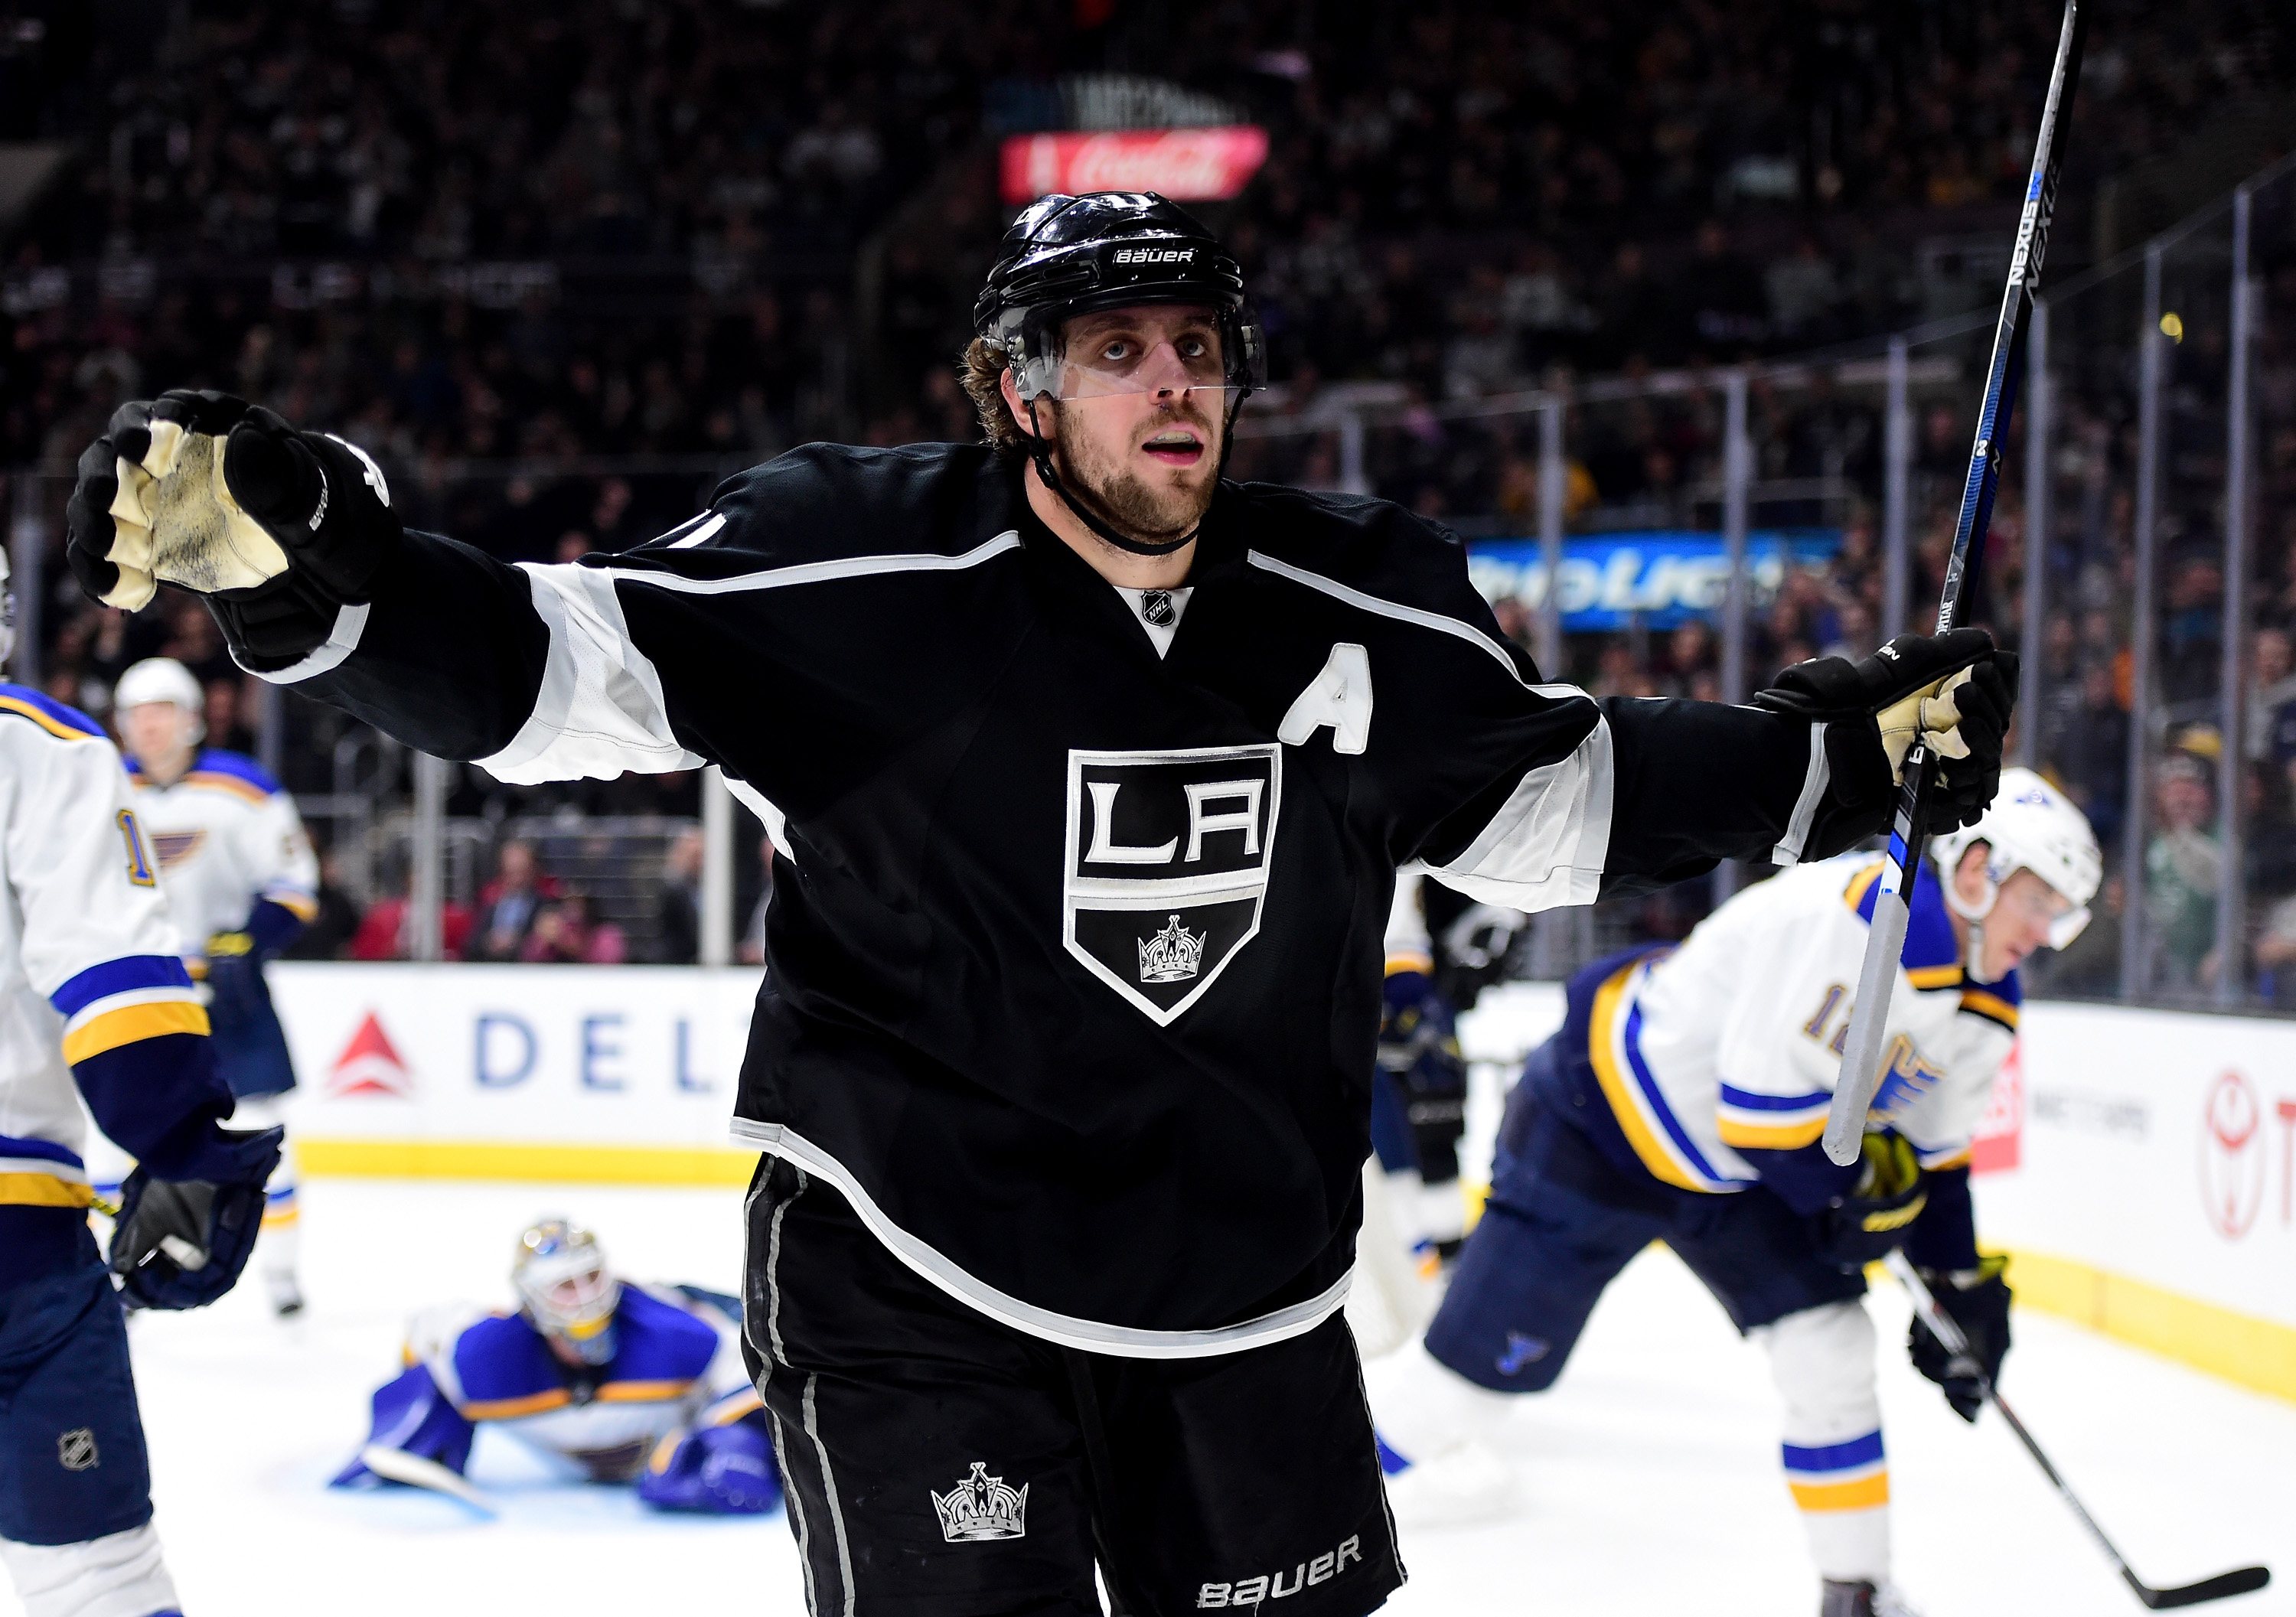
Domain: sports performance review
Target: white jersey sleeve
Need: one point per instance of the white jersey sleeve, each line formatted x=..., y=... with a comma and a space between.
x=91, y=966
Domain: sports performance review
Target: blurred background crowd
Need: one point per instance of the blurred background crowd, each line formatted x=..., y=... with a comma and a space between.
x=562, y=268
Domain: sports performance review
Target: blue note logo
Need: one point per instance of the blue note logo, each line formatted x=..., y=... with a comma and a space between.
x=1521, y=1352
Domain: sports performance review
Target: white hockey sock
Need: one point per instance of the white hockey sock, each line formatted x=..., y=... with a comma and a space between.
x=1823, y=1361
x=1423, y=1409
x=118, y=1575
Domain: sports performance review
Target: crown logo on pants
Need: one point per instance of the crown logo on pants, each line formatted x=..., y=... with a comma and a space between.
x=981, y=1507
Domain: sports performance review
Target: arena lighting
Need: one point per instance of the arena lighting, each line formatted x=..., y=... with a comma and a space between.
x=1206, y=165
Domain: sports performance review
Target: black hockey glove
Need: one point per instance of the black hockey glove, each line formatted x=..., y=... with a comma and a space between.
x=182, y=1244
x=1870, y=1222
x=278, y=530
x=1978, y=1301
x=1957, y=690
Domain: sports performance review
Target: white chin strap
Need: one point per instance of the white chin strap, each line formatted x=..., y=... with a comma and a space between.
x=1974, y=914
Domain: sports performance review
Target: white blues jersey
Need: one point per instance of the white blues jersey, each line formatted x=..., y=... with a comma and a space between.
x=1718, y=1054
x=92, y=982
x=228, y=837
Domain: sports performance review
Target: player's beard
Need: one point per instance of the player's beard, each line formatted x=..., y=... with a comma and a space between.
x=1151, y=512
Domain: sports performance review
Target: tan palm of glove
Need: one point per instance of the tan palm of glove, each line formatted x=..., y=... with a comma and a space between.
x=277, y=529
x=174, y=517
x=1929, y=713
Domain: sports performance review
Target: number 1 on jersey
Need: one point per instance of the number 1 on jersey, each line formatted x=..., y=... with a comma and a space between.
x=139, y=858
x=1835, y=994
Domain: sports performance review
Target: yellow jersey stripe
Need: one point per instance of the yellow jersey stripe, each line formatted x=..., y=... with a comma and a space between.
x=1991, y=1006
x=301, y=906
x=511, y=1409
x=1864, y=1494
x=43, y=1190
x=641, y=1391
x=1406, y=962
x=1770, y=1136
x=1934, y=976
x=53, y=726
x=743, y=1402
x=1618, y=1084
x=1854, y=894
x=131, y=1022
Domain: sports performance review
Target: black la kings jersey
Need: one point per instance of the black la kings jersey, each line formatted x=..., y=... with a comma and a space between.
x=1075, y=949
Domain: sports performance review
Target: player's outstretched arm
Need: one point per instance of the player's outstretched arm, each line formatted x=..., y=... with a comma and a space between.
x=1812, y=766
x=290, y=539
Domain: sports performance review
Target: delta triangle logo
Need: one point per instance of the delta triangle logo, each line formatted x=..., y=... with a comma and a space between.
x=370, y=1065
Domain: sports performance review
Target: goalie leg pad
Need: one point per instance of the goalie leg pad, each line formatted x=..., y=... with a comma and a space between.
x=72, y=1462
x=411, y=1414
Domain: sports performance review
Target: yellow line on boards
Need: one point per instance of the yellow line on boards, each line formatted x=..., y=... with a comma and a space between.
x=2253, y=1352
x=490, y=1159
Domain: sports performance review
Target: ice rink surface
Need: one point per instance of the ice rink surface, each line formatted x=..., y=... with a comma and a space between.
x=1650, y=1477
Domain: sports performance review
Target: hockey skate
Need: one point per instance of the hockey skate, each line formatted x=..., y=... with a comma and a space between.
x=1465, y=1485
x=1862, y=1599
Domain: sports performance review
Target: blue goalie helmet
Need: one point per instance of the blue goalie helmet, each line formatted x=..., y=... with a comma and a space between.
x=565, y=1289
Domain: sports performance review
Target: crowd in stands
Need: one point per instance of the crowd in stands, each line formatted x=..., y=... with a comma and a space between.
x=562, y=267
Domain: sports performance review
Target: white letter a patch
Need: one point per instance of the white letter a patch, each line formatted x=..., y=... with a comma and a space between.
x=1340, y=697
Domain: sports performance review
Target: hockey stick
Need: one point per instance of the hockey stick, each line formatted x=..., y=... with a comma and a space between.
x=1941, y=1325
x=397, y=1466
x=1861, y=1056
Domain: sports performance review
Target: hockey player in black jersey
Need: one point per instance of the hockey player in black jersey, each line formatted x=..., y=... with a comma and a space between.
x=1090, y=775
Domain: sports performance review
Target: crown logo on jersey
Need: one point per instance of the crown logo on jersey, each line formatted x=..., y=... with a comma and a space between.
x=1174, y=955
x=981, y=1507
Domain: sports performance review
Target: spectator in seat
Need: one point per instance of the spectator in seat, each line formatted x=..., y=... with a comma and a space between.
x=386, y=930
x=508, y=904
x=2181, y=862
x=565, y=933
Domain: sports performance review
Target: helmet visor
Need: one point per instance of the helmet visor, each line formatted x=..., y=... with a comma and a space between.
x=2067, y=927
x=1159, y=349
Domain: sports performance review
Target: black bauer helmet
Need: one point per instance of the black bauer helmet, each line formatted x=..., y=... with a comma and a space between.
x=1077, y=255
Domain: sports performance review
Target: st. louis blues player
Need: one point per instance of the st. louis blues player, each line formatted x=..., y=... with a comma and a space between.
x=93, y=995
x=1682, y=1100
x=241, y=882
x=1088, y=774
x=611, y=1380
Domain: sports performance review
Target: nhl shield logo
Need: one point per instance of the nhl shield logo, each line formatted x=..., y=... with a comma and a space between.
x=1168, y=858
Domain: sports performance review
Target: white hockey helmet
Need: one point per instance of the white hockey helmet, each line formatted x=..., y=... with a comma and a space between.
x=163, y=679
x=2031, y=825
x=565, y=1288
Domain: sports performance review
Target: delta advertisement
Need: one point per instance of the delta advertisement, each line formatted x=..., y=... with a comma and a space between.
x=516, y=1071
x=1664, y=578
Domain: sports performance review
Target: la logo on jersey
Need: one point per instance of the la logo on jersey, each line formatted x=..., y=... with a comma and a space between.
x=1167, y=866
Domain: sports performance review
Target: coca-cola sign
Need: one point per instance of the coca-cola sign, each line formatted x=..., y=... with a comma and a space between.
x=1187, y=165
